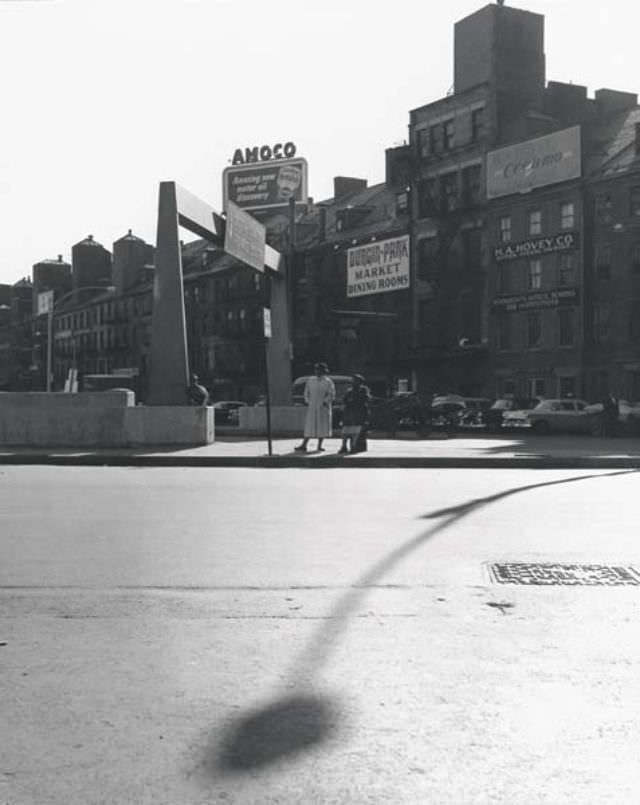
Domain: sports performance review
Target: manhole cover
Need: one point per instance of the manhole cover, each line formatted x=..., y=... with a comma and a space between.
x=586, y=575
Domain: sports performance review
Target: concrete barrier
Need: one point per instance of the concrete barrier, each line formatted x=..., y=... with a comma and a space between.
x=285, y=419
x=100, y=419
x=169, y=424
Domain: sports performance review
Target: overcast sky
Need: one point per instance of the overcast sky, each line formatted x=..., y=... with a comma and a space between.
x=103, y=99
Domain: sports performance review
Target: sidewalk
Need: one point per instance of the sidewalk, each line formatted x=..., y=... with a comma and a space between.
x=463, y=451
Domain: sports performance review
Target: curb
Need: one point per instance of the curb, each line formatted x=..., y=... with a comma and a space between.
x=322, y=462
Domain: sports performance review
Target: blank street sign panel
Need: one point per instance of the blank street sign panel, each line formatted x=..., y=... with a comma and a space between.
x=245, y=237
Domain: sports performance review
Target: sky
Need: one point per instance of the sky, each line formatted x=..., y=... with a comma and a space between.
x=103, y=99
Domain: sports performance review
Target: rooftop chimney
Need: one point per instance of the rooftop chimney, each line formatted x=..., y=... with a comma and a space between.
x=345, y=185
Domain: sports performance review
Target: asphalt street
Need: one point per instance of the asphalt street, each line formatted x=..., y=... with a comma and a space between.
x=198, y=635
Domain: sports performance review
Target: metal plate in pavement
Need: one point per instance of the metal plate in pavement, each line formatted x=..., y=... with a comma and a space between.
x=564, y=574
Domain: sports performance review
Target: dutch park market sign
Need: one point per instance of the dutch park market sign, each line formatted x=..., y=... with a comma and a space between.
x=378, y=267
x=265, y=177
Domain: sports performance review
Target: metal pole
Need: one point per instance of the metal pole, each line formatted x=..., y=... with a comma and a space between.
x=49, y=347
x=290, y=274
x=268, y=392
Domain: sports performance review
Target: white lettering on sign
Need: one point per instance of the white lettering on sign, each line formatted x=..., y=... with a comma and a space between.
x=378, y=267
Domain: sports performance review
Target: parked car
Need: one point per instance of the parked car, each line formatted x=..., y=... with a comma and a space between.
x=227, y=412
x=507, y=412
x=561, y=416
x=628, y=418
x=475, y=408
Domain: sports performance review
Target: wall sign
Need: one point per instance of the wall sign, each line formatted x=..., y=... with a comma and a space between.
x=265, y=185
x=536, y=246
x=378, y=267
x=264, y=153
x=535, y=163
x=536, y=300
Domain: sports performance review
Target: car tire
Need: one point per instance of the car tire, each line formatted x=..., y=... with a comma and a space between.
x=540, y=428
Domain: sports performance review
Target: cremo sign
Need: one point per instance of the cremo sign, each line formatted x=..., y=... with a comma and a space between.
x=263, y=153
x=522, y=167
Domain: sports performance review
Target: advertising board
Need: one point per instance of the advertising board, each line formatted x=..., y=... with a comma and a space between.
x=265, y=185
x=524, y=166
x=378, y=267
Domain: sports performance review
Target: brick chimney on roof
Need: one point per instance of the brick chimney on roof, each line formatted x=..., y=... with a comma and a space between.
x=345, y=185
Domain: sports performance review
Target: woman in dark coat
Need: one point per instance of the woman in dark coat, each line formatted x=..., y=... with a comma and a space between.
x=356, y=417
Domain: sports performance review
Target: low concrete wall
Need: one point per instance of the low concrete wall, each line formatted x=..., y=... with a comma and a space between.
x=170, y=424
x=284, y=419
x=115, y=398
x=101, y=419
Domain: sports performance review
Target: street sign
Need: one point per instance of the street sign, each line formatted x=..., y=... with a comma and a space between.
x=45, y=302
x=266, y=318
x=245, y=237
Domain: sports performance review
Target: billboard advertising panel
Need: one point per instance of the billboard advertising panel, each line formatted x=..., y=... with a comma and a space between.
x=535, y=163
x=265, y=185
x=378, y=267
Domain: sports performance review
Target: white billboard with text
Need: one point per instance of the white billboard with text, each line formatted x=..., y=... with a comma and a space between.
x=535, y=163
x=378, y=267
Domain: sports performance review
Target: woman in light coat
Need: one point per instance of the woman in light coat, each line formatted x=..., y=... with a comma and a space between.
x=319, y=394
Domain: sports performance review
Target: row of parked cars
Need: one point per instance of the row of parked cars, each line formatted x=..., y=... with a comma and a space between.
x=452, y=412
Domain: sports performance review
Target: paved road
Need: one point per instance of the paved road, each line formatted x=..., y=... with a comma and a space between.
x=314, y=636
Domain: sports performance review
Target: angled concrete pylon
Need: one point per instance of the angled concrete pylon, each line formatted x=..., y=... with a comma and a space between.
x=169, y=365
x=169, y=362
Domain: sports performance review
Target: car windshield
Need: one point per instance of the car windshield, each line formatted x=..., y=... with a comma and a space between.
x=502, y=405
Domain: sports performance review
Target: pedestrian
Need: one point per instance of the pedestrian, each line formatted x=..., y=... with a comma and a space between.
x=610, y=415
x=319, y=394
x=196, y=393
x=356, y=417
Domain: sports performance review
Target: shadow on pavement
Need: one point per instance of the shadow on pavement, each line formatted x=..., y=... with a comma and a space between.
x=284, y=728
x=296, y=722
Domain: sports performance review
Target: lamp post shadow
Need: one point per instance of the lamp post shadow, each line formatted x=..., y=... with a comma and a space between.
x=298, y=721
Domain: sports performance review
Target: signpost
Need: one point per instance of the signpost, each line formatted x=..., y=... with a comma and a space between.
x=45, y=305
x=245, y=237
x=266, y=318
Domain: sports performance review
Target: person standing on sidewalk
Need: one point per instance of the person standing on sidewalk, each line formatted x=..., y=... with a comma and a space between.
x=319, y=394
x=356, y=417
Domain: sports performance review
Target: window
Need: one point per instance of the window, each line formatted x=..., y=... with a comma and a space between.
x=477, y=125
x=424, y=140
x=635, y=258
x=567, y=388
x=534, y=329
x=567, y=215
x=536, y=387
x=428, y=259
x=472, y=247
x=535, y=222
x=505, y=279
x=566, y=270
x=634, y=198
x=428, y=322
x=427, y=200
x=507, y=387
x=504, y=233
x=604, y=252
x=634, y=321
x=402, y=202
x=472, y=184
x=601, y=322
x=448, y=134
x=603, y=208
x=565, y=327
x=504, y=331
x=449, y=192
x=535, y=275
